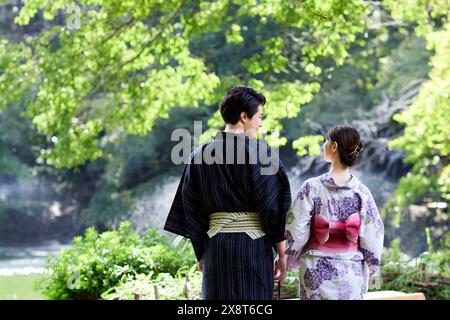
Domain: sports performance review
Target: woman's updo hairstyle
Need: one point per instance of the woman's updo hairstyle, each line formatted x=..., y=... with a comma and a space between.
x=348, y=141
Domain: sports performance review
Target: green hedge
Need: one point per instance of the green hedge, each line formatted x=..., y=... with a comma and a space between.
x=428, y=273
x=162, y=287
x=97, y=262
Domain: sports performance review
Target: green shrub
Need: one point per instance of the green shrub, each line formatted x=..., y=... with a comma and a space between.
x=164, y=286
x=289, y=288
x=428, y=273
x=97, y=262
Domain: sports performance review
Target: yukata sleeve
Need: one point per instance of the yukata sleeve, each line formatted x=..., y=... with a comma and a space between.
x=298, y=226
x=271, y=195
x=371, y=238
x=186, y=217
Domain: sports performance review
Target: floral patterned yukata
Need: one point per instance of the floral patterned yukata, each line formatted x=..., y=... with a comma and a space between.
x=334, y=238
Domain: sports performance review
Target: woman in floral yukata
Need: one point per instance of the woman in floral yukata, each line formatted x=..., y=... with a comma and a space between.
x=334, y=231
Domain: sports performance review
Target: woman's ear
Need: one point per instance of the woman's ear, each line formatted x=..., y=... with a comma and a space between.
x=335, y=146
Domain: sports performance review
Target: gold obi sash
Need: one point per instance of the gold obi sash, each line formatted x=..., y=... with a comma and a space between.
x=248, y=222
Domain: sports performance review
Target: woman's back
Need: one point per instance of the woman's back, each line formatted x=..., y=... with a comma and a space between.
x=334, y=231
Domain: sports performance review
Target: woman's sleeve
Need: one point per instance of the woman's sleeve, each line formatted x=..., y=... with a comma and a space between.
x=298, y=224
x=371, y=237
x=186, y=217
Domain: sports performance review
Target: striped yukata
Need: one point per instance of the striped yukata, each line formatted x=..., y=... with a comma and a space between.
x=236, y=265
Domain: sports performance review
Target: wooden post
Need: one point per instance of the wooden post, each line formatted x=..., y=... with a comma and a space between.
x=186, y=287
x=156, y=292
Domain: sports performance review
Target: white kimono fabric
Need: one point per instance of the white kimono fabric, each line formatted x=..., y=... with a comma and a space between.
x=339, y=273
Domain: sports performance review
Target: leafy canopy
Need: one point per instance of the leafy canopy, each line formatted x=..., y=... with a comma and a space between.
x=117, y=66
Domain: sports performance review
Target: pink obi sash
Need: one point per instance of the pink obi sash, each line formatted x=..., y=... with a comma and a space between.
x=334, y=236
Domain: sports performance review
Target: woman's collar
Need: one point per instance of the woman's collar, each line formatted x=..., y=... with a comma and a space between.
x=328, y=181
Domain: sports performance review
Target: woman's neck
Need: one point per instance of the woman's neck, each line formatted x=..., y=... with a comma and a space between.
x=340, y=173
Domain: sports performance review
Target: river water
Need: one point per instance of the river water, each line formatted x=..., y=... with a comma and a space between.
x=27, y=259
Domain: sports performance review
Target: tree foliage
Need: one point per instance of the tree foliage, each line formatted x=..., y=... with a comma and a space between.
x=127, y=63
x=426, y=135
x=87, y=89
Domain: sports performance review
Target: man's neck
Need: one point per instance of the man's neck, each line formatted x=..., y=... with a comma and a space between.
x=234, y=129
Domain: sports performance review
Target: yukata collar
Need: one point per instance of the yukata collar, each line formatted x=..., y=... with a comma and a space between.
x=328, y=181
x=222, y=135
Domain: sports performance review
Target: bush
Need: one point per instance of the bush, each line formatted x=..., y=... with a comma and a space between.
x=289, y=288
x=162, y=287
x=428, y=273
x=97, y=262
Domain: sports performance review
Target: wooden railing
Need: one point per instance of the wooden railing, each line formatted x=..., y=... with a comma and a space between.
x=393, y=295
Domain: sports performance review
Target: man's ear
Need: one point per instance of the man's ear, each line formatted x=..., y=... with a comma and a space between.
x=244, y=116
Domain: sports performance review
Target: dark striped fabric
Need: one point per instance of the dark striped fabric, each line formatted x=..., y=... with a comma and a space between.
x=208, y=188
x=235, y=267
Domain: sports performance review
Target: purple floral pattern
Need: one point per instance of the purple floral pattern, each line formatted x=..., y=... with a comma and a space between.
x=371, y=210
x=341, y=267
x=341, y=282
x=325, y=270
x=341, y=210
x=303, y=294
x=371, y=261
x=317, y=205
x=316, y=296
x=379, y=226
x=326, y=178
x=357, y=267
x=289, y=238
x=312, y=279
x=356, y=257
x=304, y=191
x=345, y=290
x=333, y=207
x=292, y=255
x=292, y=262
x=349, y=205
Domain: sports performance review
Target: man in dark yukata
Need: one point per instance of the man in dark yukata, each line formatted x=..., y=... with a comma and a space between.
x=232, y=203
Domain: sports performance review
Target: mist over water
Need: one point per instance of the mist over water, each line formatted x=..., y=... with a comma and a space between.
x=31, y=189
x=27, y=259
